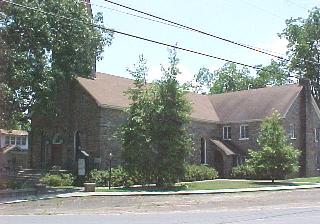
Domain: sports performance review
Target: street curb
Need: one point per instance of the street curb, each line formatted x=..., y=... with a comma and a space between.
x=195, y=192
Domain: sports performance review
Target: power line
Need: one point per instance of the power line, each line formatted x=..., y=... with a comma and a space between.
x=130, y=14
x=138, y=37
x=197, y=30
x=206, y=33
x=172, y=25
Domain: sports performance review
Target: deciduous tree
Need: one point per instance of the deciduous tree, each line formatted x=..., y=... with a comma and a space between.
x=277, y=158
x=44, y=51
x=303, y=36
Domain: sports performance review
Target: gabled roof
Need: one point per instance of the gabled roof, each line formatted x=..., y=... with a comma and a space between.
x=109, y=91
x=255, y=104
x=13, y=132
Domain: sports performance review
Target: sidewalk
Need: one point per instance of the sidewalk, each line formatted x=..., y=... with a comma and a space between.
x=185, y=192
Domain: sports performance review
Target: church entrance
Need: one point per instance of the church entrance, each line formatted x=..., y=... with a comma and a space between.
x=57, y=150
x=56, y=154
x=218, y=162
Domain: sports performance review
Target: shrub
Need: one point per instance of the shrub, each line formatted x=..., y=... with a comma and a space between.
x=243, y=172
x=12, y=184
x=118, y=177
x=58, y=180
x=199, y=172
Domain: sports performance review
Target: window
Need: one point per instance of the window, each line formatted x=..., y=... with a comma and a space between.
x=23, y=140
x=7, y=140
x=244, y=134
x=226, y=132
x=317, y=134
x=12, y=140
x=18, y=140
x=203, y=151
x=292, y=131
x=240, y=160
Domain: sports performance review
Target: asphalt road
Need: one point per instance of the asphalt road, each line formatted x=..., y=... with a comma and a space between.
x=309, y=215
x=284, y=207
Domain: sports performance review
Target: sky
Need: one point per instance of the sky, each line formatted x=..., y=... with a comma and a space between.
x=252, y=22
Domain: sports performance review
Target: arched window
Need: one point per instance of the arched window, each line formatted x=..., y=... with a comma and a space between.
x=77, y=144
x=203, y=151
x=57, y=139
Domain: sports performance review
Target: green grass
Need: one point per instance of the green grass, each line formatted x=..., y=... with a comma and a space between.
x=306, y=179
x=218, y=185
x=225, y=184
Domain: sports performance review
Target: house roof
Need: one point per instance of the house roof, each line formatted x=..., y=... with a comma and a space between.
x=13, y=132
x=254, y=104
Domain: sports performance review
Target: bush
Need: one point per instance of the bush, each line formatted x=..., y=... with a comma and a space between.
x=243, y=172
x=118, y=177
x=58, y=180
x=199, y=172
x=12, y=184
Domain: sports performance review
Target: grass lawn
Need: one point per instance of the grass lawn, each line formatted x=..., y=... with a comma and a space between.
x=219, y=184
x=235, y=184
x=306, y=179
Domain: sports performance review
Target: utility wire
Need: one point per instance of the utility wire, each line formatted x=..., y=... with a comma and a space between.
x=140, y=38
x=205, y=33
x=130, y=14
x=169, y=24
x=196, y=30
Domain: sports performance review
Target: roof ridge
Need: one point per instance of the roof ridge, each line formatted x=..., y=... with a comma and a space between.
x=117, y=76
x=255, y=89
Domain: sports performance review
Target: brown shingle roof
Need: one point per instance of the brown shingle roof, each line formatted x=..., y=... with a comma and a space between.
x=255, y=104
x=108, y=91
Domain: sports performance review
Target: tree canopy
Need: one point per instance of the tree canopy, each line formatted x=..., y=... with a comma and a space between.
x=230, y=78
x=303, y=36
x=42, y=51
x=155, y=138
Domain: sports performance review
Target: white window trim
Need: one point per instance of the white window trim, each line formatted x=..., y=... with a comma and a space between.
x=12, y=137
x=293, y=134
x=205, y=151
x=223, y=132
x=243, y=125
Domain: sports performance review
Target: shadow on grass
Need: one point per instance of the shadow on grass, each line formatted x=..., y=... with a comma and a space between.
x=276, y=183
x=145, y=189
x=156, y=189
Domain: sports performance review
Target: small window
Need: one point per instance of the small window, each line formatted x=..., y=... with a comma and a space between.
x=244, y=134
x=317, y=134
x=226, y=132
x=240, y=160
x=203, y=151
x=18, y=140
x=292, y=131
x=7, y=140
x=12, y=140
x=23, y=140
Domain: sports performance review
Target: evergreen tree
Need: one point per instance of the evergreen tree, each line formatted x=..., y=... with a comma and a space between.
x=155, y=138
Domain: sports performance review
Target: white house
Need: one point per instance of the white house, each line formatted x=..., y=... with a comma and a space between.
x=14, y=138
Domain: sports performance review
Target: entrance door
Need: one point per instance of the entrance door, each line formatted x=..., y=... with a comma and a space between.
x=218, y=163
x=56, y=154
